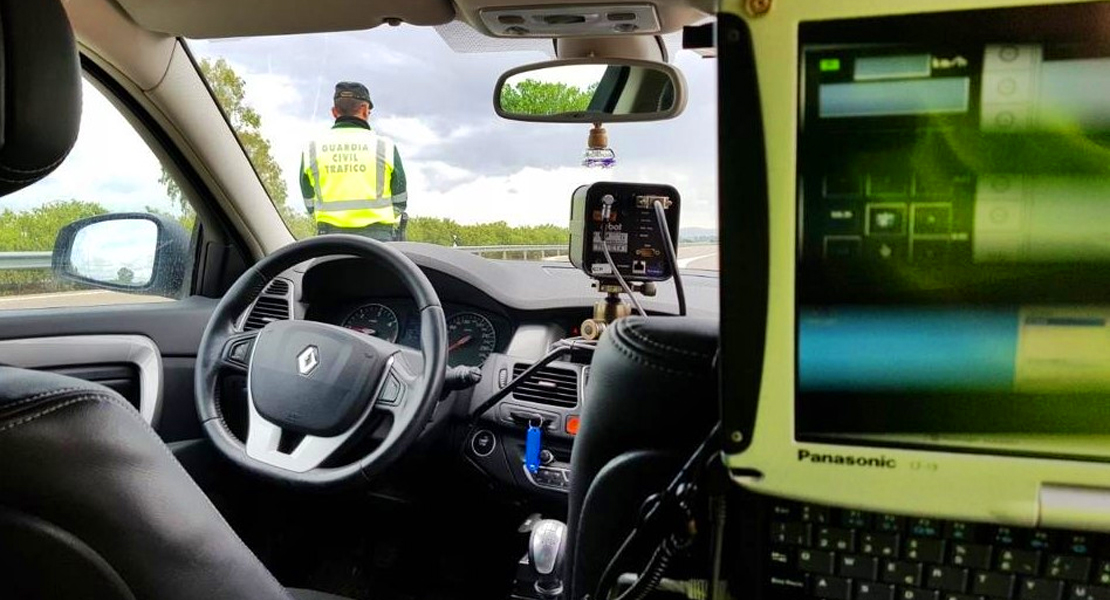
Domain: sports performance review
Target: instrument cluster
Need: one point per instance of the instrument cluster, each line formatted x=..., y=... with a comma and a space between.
x=472, y=334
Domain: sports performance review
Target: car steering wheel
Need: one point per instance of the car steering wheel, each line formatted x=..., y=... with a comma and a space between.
x=312, y=386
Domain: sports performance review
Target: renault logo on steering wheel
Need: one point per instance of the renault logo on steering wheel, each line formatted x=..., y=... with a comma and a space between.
x=308, y=360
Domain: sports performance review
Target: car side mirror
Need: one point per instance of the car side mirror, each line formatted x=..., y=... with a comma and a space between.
x=138, y=253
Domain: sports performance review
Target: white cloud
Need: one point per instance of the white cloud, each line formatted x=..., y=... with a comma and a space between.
x=461, y=161
x=528, y=197
x=533, y=196
x=463, y=132
x=699, y=194
x=385, y=56
x=439, y=174
x=411, y=134
x=276, y=98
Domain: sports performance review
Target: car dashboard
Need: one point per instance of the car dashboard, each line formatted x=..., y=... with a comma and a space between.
x=501, y=316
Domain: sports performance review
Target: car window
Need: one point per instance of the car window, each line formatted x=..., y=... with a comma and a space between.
x=111, y=170
x=472, y=179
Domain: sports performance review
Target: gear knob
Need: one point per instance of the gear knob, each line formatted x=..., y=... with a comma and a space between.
x=546, y=548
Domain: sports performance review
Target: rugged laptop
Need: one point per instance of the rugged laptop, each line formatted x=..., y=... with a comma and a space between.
x=924, y=414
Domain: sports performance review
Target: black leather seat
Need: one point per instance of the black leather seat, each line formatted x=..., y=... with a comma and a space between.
x=650, y=400
x=92, y=503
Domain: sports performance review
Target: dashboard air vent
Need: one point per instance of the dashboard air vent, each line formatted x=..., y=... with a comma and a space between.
x=266, y=310
x=277, y=287
x=549, y=385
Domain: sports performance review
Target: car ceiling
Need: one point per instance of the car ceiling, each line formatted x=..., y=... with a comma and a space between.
x=239, y=18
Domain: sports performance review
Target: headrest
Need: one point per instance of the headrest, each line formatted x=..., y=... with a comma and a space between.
x=40, y=77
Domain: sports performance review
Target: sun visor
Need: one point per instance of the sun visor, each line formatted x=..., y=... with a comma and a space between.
x=220, y=18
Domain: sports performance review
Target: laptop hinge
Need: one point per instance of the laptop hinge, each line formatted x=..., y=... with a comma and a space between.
x=1074, y=507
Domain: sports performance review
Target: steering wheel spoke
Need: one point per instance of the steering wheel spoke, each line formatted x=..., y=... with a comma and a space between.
x=237, y=351
x=399, y=383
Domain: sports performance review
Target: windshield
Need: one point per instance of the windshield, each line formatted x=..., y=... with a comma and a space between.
x=467, y=177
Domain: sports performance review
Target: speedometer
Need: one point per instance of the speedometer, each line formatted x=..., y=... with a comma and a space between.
x=471, y=338
x=377, y=320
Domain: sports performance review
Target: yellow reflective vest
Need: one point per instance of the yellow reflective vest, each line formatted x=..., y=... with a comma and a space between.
x=350, y=170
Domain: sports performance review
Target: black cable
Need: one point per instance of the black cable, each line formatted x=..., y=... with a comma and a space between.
x=567, y=346
x=509, y=387
x=560, y=348
x=580, y=349
x=653, y=572
x=668, y=243
x=620, y=279
x=612, y=265
x=696, y=462
x=721, y=511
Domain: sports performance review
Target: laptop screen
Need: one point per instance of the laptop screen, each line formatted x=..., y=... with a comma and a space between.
x=953, y=274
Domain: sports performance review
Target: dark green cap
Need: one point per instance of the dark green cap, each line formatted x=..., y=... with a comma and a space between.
x=353, y=89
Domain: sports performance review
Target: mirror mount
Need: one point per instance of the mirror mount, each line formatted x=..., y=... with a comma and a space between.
x=632, y=47
x=168, y=248
x=591, y=90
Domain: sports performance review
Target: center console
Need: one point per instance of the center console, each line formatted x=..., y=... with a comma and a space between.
x=549, y=399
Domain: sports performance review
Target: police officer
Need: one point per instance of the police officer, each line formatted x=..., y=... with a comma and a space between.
x=351, y=177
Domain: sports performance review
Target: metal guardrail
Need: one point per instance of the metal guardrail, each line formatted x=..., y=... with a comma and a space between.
x=514, y=251
x=24, y=260
x=10, y=261
x=41, y=260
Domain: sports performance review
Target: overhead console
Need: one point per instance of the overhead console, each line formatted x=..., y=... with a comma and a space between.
x=949, y=235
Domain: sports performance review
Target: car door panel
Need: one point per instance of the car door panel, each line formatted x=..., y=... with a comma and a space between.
x=158, y=341
x=68, y=351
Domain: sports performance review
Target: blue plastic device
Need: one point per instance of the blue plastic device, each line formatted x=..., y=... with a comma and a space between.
x=533, y=443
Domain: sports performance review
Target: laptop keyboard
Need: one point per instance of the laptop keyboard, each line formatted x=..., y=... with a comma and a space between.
x=836, y=554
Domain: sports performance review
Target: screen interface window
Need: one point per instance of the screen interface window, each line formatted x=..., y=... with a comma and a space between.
x=953, y=274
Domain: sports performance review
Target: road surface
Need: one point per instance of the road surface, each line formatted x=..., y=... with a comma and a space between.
x=700, y=256
x=693, y=256
x=74, y=299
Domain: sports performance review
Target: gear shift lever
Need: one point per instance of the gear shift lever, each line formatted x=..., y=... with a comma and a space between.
x=545, y=553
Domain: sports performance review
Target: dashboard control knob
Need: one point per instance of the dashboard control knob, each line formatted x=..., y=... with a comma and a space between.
x=546, y=457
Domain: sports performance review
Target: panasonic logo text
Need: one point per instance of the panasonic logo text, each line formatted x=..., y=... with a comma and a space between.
x=881, y=462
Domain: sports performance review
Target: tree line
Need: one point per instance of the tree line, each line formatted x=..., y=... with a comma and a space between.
x=35, y=229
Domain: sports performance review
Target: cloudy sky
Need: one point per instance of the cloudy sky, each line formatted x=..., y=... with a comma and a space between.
x=462, y=161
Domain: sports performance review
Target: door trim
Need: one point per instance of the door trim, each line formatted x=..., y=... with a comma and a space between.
x=65, y=351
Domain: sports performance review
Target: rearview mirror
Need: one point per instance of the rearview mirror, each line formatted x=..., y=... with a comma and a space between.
x=591, y=90
x=140, y=253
